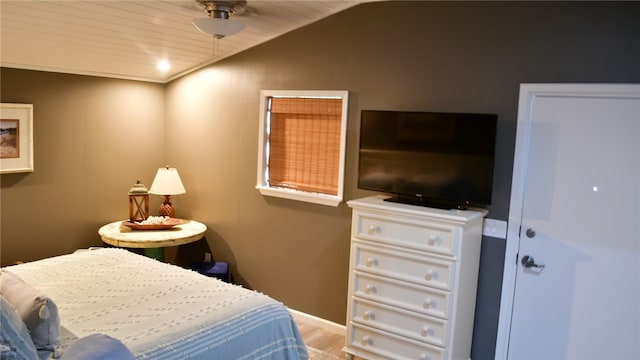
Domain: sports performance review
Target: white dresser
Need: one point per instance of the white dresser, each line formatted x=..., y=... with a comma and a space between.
x=412, y=281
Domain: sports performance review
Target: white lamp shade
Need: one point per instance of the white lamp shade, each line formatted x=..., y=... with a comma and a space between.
x=218, y=27
x=167, y=182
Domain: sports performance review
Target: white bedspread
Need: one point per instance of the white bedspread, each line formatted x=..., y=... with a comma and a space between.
x=162, y=311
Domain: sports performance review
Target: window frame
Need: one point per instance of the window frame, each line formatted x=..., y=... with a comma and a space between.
x=263, y=152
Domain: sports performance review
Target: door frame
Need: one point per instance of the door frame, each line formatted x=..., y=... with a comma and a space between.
x=527, y=97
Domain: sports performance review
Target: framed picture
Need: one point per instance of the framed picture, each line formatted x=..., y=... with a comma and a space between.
x=16, y=138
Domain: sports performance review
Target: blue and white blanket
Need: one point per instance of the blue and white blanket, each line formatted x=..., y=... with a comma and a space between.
x=161, y=311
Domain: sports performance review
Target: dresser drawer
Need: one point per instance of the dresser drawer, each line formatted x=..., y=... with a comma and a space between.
x=413, y=234
x=389, y=346
x=405, y=295
x=404, y=265
x=402, y=322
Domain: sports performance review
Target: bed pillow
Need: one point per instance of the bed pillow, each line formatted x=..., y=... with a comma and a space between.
x=97, y=347
x=39, y=313
x=15, y=341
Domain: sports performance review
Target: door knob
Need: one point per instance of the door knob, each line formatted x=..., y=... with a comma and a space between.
x=528, y=262
x=530, y=233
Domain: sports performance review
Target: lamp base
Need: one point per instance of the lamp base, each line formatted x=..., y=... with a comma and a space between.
x=166, y=208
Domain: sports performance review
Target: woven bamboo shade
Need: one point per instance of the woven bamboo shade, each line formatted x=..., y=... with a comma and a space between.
x=305, y=144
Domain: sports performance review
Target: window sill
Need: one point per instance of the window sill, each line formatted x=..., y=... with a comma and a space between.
x=315, y=198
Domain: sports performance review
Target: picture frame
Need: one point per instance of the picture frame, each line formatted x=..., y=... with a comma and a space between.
x=16, y=138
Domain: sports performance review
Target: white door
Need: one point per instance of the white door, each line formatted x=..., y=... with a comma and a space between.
x=575, y=230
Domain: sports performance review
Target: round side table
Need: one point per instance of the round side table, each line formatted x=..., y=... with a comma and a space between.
x=152, y=241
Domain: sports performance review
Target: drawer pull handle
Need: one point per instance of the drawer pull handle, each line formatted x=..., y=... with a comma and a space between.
x=424, y=357
x=367, y=340
x=369, y=289
x=426, y=331
x=371, y=262
x=429, y=303
x=430, y=275
x=368, y=315
x=373, y=229
x=433, y=240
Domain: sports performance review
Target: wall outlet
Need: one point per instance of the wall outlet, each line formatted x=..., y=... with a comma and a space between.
x=495, y=228
x=207, y=257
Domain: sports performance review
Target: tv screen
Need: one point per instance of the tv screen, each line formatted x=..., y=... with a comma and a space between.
x=428, y=158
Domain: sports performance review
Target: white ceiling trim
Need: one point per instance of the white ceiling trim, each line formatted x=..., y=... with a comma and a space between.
x=125, y=39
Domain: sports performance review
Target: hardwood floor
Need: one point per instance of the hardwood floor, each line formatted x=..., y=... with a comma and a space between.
x=318, y=337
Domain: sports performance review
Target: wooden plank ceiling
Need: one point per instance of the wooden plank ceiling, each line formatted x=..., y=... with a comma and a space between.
x=126, y=39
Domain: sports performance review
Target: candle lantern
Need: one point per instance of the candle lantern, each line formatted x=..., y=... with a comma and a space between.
x=138, y=202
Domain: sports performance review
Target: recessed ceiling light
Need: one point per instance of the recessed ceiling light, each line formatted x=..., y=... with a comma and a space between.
x=163, y=65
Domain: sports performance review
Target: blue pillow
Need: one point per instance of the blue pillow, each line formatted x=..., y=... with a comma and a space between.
x=15, y=339
x=97, y=347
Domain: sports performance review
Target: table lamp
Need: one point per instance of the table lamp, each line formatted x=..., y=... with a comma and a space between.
x=167, y=182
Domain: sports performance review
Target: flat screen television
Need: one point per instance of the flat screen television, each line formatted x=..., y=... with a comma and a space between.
x=433, y=159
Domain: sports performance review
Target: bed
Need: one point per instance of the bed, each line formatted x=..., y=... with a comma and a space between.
x=156, y=310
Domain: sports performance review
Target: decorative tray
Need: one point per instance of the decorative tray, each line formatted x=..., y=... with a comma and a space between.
x=167, y=224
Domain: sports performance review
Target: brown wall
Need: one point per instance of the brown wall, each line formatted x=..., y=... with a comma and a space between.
x=449, y=56
x=93, y=138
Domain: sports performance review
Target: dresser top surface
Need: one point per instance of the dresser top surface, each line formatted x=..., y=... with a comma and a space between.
x=378, y=203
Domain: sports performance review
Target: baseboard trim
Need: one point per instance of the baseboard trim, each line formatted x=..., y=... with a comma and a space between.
x=319, y=322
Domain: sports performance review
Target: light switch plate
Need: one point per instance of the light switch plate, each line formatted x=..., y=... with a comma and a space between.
x=495, y=228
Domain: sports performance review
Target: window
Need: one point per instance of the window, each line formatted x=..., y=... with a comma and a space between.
x=302, y=145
